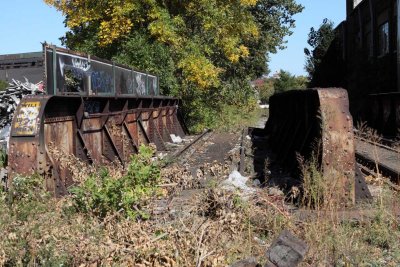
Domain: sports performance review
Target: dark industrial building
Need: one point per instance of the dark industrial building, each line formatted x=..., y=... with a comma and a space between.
x=363, y=58
x=21, y=66
x=371, y=45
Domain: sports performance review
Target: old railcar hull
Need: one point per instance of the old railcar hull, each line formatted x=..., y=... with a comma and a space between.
x=97, y=130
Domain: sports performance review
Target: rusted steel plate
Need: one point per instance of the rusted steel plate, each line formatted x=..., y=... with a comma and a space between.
x=338, y=156
x=96, y=130
x=316, y=123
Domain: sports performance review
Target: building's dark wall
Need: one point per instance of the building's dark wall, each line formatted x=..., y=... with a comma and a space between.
x=370, y=68
x=20, y=66
x=365, y=69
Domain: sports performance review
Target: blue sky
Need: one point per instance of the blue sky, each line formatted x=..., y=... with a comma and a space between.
x=292, y=58
x=26, y=23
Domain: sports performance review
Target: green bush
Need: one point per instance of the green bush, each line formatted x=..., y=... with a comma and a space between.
x=3, y=85
x=286, y=81
x=102, y=194
x=3, y=158
x=314, y=185
x=232, y=106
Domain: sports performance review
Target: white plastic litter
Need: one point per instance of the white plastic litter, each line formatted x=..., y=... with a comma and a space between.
x=4, y=136
x=256, y=183
x=237, y=181
x=176, y=139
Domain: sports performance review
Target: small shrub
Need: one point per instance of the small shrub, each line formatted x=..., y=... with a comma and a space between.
x=314, y=187
x=3, y=85
x=102, y=193
x=3, y=158
x=228, y=108
x=28, y=189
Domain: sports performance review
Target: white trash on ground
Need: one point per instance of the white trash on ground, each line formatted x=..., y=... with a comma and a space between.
x=237, y=181
x=256, y=183
x=176, y=139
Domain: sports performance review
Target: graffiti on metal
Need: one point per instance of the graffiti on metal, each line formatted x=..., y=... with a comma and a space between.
x=75, y=73
x=26, y=120
x=92, y=106
x=101, y=82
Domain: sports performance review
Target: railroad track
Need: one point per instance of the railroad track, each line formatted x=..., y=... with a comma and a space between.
x=376, y=157
x=188, y=150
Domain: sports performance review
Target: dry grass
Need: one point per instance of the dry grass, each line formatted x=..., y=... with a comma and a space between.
x=217, y=227
x=212, y=227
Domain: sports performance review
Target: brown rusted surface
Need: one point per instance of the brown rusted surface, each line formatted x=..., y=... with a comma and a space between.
x=97, y=130
x=316, y=123
x=338, y=158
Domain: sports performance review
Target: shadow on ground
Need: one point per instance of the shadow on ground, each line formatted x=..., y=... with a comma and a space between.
x=266, y=167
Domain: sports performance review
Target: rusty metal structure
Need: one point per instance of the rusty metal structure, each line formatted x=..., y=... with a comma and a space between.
x=316, y=124
x=94, y=109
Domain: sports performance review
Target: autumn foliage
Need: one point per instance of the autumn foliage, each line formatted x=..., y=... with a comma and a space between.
x=208, y=43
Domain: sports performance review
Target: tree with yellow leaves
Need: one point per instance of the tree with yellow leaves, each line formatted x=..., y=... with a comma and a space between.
x=205, y=44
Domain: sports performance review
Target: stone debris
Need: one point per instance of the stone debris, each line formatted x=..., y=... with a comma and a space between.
x=256, y=183
x=286, y=251
x=9, y=100
x=250, y=262
x=4, y=135
x=3, y=177
x=12, y=95
x=274, y=191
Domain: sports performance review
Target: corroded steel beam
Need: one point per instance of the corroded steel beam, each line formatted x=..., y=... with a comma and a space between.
x=317, y=123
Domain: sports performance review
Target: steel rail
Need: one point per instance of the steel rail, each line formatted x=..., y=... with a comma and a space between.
x=183, y=150
x=377, y=166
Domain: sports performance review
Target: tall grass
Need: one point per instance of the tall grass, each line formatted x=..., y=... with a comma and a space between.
x=3, y=158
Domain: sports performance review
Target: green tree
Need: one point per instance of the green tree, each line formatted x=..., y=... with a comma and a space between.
x=319, y=40
x=286, y=81
x=266, y=90
x=203, y=48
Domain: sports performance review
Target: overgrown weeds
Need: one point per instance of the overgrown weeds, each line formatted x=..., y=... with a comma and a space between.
x=314, y=185
x=228, y=110
x=3, y=158
x=101, y=225
x=364, y=235
x=102, y=194
x=367, y=237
